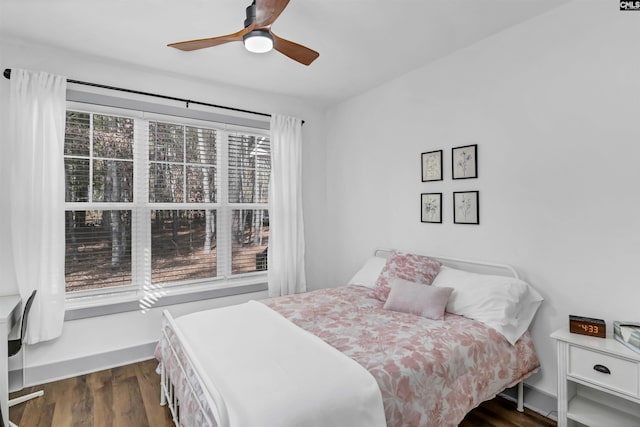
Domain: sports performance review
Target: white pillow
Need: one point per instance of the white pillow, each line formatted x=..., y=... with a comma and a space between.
x=527, y=309
x=368, y=274
x=417, y=298
x=504, y=303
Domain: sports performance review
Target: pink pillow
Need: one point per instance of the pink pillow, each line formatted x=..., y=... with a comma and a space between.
x=414, y=298
x=414, y=268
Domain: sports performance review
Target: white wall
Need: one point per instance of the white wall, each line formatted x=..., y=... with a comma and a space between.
x=553, y=105
x=88, y=337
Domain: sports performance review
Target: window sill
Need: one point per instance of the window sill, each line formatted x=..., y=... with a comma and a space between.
x=86, y=307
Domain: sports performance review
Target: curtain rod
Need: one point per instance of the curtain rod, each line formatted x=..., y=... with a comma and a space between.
x=7, y=74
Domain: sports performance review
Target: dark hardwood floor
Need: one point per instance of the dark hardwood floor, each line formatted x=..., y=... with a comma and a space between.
x=124, y=396
x=129, y=396
x=501, y=412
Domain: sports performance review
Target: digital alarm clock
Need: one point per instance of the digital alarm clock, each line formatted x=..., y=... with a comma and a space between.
x=587, y=326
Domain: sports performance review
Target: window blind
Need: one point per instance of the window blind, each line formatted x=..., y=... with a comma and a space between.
x=249, y=165
x=182, y=176
x=98, y=156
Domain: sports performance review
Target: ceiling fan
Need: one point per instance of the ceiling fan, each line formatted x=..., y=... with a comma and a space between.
x=257, y=35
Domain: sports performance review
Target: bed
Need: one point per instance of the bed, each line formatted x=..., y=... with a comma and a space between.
x=409, y=370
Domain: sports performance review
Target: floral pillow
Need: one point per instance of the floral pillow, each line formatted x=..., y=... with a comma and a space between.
x=405, y=266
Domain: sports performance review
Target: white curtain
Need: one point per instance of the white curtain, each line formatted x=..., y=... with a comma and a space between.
x=33, y=155
x=286, y=226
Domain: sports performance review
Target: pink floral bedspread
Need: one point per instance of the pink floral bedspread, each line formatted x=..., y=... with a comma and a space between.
x=430, y=372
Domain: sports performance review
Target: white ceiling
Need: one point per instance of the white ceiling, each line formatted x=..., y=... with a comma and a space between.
x=362, y=43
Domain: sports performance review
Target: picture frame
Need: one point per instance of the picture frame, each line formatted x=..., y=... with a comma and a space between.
x=464, y=162
x=432, y=166
x=431, y=207
x=466, y=207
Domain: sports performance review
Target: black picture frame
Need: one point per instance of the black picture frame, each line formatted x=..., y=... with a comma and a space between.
x=431, y=208
x=466, y=207
x=432, y=164
x=464, y=162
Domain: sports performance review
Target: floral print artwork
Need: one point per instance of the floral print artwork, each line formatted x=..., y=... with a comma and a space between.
x=465, y=161
x=466, y=209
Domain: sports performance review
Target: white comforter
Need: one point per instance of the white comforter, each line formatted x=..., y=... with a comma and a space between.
x=262, y=370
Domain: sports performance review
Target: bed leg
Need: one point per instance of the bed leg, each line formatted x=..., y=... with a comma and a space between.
x=163, y=386
x=521, y=396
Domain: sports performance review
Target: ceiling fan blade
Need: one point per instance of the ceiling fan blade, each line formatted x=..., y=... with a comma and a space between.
x=295, y=51
x=267, y=11
x=214, y=41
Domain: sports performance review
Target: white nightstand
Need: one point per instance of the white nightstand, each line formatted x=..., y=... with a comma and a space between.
x=598, y=382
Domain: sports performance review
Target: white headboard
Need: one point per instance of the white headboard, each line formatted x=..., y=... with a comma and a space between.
x=464, y=264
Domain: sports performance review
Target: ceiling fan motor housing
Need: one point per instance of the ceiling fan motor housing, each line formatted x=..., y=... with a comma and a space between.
x=251, y=14
x=257, y=40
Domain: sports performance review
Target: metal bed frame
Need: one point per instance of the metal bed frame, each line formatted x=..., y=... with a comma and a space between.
x=217, y=405
x=167, y=388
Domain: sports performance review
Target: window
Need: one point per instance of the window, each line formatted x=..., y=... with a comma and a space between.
x=157, y=200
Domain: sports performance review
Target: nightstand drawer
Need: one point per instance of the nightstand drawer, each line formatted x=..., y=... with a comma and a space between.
x=585, y=364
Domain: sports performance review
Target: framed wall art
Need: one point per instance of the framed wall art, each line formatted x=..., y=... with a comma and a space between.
x=464, y=162
x=431, y=207
x=466, y=207
x=432, y=166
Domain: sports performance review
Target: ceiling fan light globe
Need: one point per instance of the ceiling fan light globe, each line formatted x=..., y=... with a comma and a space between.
x=258, y=41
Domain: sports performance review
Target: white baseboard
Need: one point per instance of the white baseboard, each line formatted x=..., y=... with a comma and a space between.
x=36, y=375
x=536, y=400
